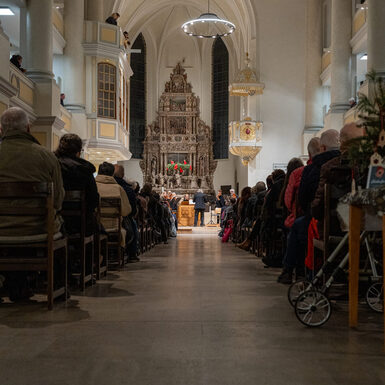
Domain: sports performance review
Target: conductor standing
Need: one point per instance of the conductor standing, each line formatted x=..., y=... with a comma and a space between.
x=200, y=207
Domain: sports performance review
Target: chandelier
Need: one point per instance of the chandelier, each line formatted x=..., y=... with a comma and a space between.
x=208, y=25
x=245, y=139
x=246, y=82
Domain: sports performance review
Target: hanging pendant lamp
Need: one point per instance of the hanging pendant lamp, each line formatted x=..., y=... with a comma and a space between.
x=209, y=26
x=246, y=82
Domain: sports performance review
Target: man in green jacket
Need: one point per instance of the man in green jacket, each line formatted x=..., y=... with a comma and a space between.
x=23, y=159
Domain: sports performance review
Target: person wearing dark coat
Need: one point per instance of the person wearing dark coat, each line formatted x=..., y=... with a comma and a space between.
x=310, y=179
x=220, y=201
x=132, y=247
x=337, y=173
x=78, y=175
x=200, y=200
x=297, y=240
x=113, y=19
x=16, y=60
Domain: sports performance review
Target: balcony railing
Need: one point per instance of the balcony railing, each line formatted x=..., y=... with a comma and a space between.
x=25, y=86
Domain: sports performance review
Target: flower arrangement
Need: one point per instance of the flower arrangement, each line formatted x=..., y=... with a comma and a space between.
x=182, y=167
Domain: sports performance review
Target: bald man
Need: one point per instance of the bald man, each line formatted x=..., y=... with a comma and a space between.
x=338, y=173
x=329, y=148
x=23, y=159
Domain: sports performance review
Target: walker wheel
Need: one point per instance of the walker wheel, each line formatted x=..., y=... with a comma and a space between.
x=375, y=297
x=296, y=289
x=313, y=308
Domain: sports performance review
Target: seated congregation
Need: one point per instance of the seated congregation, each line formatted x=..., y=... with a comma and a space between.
x=60, y=226
x=281, y=221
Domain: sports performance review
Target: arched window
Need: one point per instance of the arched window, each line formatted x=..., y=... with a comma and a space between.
x=138, y=98
x=220, y=99
x=106, y=91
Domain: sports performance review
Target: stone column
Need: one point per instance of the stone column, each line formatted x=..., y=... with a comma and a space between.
x=23, y=36
x=39, y=40
x=341, y=76
x=95, y=10
x=314, y=98
x=74, y=86
x=4, y=55
x=376, y=36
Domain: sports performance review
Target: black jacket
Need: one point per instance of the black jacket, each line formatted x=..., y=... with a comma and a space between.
x=311, y=177
x=78, y=175
x=130, y=194
x=219, y=203
x=200, y=201
x=272, y=198
x=111, y=20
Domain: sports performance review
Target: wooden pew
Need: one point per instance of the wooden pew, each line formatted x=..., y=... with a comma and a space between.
x=110, y=212
x=15, y=251
x=75, y=208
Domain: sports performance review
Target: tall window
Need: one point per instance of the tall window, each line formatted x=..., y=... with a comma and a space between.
x=138, y=98
x=220, y=99
x=106, y=91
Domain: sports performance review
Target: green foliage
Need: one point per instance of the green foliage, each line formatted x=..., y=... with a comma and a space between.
x=372, y=116
x=184, y=167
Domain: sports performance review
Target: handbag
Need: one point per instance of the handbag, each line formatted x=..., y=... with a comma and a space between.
x=228, y=231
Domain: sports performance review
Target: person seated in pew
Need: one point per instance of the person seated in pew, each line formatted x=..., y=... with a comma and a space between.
x=132, y=247
x=337, y=172
x=320, y=152
x=109, y=188
x=23, y=159
x=78, y=175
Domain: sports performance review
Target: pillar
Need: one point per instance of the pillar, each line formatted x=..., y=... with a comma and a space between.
x=313, y=88
x=376, y=36
x=73, y=81
x=23, y=37
x=95, y=10
x=39, y=39
x=4, y=54
x=39, y=58
x=341, y=76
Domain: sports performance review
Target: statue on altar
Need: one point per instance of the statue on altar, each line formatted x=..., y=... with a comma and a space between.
x=178, y=149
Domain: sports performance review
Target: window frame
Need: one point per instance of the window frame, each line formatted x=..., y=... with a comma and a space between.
x=220, y=99
x=109, y=88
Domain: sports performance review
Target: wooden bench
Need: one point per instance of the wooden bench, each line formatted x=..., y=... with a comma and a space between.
x=75, y=209
x=101, y=250
x=15, y=251
x=110, y=211
x=327, y=240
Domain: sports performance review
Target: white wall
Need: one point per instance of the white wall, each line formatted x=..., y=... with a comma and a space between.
x=132, y=170
x=282, y=44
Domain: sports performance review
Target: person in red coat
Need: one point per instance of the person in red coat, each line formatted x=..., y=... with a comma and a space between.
x=291, y=202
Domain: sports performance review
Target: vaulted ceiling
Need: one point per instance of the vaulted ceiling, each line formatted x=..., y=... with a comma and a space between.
x=163, y=17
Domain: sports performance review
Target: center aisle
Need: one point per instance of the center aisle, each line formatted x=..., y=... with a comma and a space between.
x=195, y=312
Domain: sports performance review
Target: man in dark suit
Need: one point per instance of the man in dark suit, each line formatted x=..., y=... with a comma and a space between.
x=200, y=200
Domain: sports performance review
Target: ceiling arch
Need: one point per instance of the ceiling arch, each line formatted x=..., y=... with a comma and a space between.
x=139, y=14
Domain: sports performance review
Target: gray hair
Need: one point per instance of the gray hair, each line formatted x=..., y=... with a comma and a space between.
x=200, y=190
x=330, y=139
x=314, y=147
x=14, y=119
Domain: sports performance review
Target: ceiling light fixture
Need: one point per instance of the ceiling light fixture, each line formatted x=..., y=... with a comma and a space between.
x=208, y=25
x=6, y=11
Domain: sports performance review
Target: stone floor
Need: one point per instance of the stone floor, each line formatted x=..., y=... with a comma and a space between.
x=192, y=312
